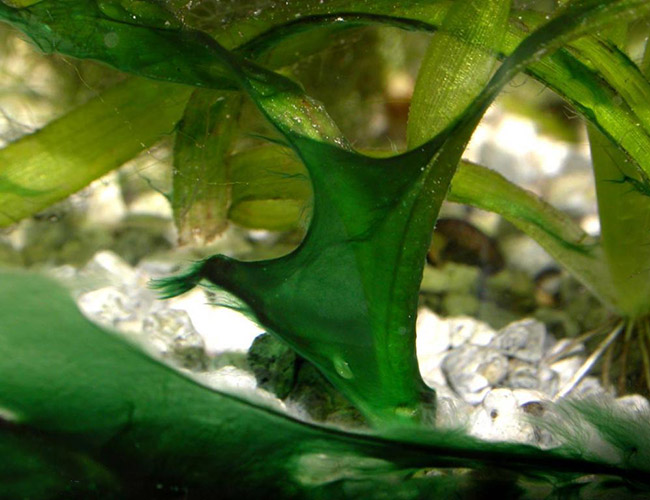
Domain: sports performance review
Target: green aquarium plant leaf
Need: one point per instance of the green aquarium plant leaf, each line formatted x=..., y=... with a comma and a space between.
x=458, y=64
x=346, y=298
x=201, y=177
x=271, y=191
x=86, y=413
x=65, y=156
x=554, y=231
x=558, y=71
x=622, y=208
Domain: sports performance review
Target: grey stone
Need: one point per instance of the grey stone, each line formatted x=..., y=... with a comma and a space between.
x=549, y=382
x=471, y=370
x=522, y=340
x=634, y=403
x=274, y=365
x=522, y=375
x=173, y=332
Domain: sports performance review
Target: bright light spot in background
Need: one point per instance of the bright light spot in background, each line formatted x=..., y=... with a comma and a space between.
x=591, y=225
x=512, y=146
x=222, y=329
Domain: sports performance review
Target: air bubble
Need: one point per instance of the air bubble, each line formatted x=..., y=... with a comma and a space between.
x=342, y=368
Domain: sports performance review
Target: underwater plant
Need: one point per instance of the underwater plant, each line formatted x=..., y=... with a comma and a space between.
x=346, y=298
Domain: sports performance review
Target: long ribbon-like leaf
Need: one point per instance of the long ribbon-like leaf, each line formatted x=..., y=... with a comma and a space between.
x=45, y=167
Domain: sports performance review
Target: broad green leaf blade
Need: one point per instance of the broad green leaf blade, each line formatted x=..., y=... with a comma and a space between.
x=459, y=62
x=69, y=153
x=35, y=467
x=273, y=177
x=353, y=282
x=557, y=233
x=85, y=412
x=622, y=209
x=201, y=179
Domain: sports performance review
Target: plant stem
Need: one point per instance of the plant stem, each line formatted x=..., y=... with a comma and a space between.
x=626, y=348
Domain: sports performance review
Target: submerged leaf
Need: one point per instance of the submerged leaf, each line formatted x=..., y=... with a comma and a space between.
x=459, y=62
x=84, y=412
x=201, y=177
x=555, y=232
x=621, y=210
x=346, y=299
x=69, y=153
x=270, y=189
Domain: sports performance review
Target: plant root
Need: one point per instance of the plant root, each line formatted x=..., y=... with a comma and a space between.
x=589, y=362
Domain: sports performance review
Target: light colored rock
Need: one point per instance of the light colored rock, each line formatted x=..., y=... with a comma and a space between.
x=522, y=375
x=223, y=329
x=102, y=202
x=114, y=308
x=471, y=370
x=431, y=371
x=178, y=341
x=527, y=396
x=634, y=403
x=151, y=203
x=566, y=368
x=230, y=378
x=500, y=419
x=525, y=254
x=432, y=334
x=110, y=268
x=522, y=340
x=549, y=382
x=588, y=387
x=573, y=193
x=483, y=334
x=452, y=413
x=461, y=329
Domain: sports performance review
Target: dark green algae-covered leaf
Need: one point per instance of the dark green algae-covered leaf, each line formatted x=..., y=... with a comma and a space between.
x=85, y=414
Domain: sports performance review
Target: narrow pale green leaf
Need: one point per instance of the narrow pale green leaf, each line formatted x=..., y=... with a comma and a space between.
x=69, y=153
x=557, y=233
x=459, y=62
x=201, y=180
